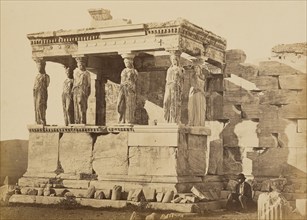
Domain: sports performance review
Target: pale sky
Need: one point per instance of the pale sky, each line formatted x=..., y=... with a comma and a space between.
x=253, y=26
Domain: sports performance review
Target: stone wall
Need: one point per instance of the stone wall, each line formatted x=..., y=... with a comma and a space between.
x=262, y=121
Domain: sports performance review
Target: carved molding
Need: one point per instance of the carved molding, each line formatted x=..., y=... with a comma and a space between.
x=67, y=129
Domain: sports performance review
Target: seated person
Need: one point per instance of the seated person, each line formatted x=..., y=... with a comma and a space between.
x=239, y=199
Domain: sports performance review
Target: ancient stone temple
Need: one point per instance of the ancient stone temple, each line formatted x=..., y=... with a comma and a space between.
x=125, y=103
x=165, y=106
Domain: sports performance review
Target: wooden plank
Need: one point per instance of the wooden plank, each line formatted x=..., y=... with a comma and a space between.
x=293, y=81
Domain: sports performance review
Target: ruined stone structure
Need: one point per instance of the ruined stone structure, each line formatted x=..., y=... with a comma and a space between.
x=251, y=119
x=144, y=149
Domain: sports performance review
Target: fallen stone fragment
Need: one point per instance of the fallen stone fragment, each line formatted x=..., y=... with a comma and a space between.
x=184, y=201
x=108, y=193
x=152, y=216
x=199, y=194
x=130, y=193
x=47, y=191
x=40, y=192
x=149, y=194
x=99, y=195
x=32, y=192
x=90, y=192
x=24, y=191
x=69, y=195
x=177, y=200
x=159, y=196
x=172, y=216
x=116, y=193
x=168, y=197
x=136, y=216
x=136, y=196
x=192, y=199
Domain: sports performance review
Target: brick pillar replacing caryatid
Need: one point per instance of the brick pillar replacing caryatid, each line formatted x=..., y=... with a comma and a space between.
x=96, y=101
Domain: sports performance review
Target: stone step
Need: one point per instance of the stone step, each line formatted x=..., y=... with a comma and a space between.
x=103, y=203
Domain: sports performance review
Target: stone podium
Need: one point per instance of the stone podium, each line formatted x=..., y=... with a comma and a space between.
x=165, y=156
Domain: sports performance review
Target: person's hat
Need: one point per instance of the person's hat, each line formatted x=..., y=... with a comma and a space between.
x=241, y=176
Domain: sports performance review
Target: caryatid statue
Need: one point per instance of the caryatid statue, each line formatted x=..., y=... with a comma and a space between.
x=126, y=103
x=197, y=96
x=40, y=92
x=81, y=90
x=173, y=90
x=67, y=97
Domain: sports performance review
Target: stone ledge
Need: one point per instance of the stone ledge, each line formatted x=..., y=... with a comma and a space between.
x=67, y=129
x=188, y=208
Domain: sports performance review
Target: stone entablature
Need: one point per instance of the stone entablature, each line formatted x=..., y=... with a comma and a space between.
x=178, y=34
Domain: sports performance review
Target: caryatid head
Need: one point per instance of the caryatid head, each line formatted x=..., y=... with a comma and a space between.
x=128, y=62
x=40, y=64
x=81, y=63
x=69, y=72
x=174, y=60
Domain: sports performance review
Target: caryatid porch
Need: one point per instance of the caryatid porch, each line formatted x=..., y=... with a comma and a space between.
x=121, y=153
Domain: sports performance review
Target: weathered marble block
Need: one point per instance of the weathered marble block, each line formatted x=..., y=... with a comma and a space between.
x=76, y=153
x=42, y=153
x=110, y=154
x=167, y=151
x=191, y=158
x=146, y=160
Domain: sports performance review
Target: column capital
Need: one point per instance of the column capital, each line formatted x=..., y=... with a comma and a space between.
x=40, y=60
x=175, y=52
x=80, y=58
x=127, y=55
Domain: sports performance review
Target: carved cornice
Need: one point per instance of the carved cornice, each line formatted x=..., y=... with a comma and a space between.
x=67, y=129
x=189, y=30
x=179, y=26
x=80, y=129
x=178, y=34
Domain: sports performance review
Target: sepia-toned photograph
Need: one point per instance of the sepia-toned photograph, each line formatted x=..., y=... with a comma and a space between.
x=148, y=110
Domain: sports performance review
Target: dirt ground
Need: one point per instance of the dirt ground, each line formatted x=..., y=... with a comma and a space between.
x=21, y=212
